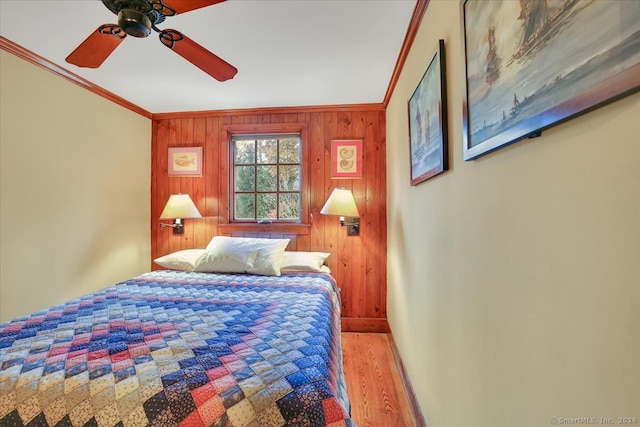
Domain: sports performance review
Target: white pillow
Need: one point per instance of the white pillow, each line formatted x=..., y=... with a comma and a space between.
x=224, y=255
x=270, y=254
x=325, y=269
x=243, y=255
x=304, y=261
x=183, y=260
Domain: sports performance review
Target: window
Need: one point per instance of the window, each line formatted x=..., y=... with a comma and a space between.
x=266, y=177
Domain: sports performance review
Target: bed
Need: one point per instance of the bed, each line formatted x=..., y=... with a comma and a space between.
x=181, y=347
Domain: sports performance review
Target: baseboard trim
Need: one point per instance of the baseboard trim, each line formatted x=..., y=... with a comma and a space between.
x=418, y=416
x=365, y=324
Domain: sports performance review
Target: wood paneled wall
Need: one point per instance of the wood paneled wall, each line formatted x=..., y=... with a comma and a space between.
x=357, y=262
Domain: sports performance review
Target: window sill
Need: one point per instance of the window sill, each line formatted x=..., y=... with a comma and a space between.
x=277, y=227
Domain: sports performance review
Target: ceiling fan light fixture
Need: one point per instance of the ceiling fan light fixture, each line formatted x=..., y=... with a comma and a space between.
x=134, y=23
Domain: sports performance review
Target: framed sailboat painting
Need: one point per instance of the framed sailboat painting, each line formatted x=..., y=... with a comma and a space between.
x=532, y=64
x=428, y=121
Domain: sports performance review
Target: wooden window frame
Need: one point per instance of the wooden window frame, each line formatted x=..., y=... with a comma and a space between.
x=279, y=164
x=226, y=191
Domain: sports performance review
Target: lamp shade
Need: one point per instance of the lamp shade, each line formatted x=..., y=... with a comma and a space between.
x=180, y=206
x=341, y=203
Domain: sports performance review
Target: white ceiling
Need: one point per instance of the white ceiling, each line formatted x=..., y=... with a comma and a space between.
x=288, y=53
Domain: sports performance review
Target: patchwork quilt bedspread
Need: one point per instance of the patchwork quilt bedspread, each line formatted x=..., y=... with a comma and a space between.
x=173, y=348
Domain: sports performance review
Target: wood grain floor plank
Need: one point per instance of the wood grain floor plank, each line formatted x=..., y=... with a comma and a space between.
x=378, y=398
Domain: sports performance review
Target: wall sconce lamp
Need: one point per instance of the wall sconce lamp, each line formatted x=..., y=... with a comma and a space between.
x=341, y=203
x=178, y=207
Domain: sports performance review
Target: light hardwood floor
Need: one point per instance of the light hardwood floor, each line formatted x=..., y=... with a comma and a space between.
x=378, y=398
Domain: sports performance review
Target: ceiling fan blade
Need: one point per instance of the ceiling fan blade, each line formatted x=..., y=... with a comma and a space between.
x=172, y=7
x=92, y=52
x=211, y=64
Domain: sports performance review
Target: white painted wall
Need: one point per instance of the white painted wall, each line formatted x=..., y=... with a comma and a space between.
x=75, y=190
x=514, y=279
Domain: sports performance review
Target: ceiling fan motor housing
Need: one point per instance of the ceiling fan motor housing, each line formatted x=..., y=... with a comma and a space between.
x=134, y=23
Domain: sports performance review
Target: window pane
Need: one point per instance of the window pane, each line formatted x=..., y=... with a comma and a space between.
x=289, y=178
x=289, y=206
x=244, y=152
x=245, y=178
x=245, y=206
x=290, y=150
x=267, y=207
x=267, y=178
x=267, y=151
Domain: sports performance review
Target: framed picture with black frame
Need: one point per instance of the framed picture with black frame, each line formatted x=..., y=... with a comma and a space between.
x=428, y=136
x=533, y=64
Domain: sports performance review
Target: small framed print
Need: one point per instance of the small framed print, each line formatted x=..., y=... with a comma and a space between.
x=185, y=161
x=346, y=158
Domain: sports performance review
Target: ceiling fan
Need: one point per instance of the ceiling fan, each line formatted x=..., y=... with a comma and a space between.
x=137, y=18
